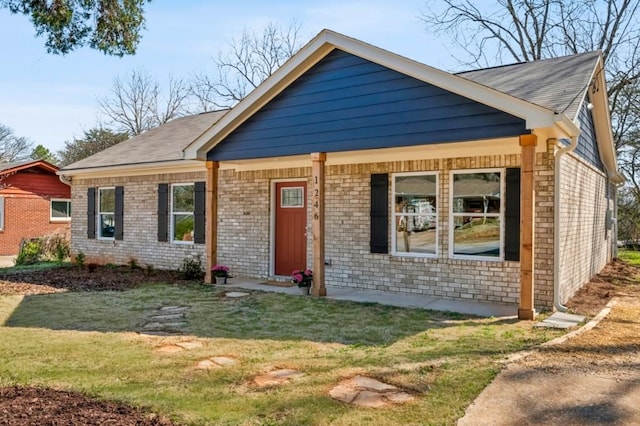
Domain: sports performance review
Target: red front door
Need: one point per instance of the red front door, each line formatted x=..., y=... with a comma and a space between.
x=291, y=227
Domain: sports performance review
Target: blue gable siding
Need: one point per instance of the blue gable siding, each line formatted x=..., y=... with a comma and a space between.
x=587, y=147
x=346, y=103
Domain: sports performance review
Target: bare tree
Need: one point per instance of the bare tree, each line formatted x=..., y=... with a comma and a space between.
x=247, y=63
x=527, y=30
x=12, y=147
x=136, y=104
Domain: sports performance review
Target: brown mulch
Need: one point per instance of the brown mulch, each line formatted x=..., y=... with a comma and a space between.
x=72, y=278
x=617, y=279
x=33, y=406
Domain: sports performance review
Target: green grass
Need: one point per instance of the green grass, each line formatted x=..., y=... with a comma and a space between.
x=630, y=256
x=87, y=342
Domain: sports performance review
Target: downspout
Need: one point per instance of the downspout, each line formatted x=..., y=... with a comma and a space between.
x=556, y=221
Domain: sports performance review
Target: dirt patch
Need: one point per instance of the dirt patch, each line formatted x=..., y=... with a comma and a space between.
x=31, y=406
x=618, y=279
x=56, y=280
x=276, y=377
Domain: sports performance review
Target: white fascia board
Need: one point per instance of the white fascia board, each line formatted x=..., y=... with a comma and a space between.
x=534, y=115
x=178, y=166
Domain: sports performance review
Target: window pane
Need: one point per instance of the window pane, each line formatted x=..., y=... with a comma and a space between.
x=416, y=242
x=415, y=213
x=476, y=236
x=182, y=227
x=108, y=200
x=61, y=209
x=183, y=198
x=476, y=193
x=292, y=197
x=107, y=225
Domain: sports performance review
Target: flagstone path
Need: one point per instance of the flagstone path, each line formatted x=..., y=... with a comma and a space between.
x=367, y=392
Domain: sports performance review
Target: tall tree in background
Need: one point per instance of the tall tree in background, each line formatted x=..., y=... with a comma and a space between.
x=248, y=62
x=94, y=140
x=41, y=152
x=136, y=103
x=527, y=30
x=12, y=147
x=111, y=26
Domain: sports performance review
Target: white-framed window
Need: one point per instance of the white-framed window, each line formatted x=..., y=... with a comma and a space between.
x=60, y=209
x=292, y=197
x=106, y=213
x=477, y=214
x=415, y=214
x=182, y=212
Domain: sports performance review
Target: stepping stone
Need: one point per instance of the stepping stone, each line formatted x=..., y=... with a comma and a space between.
x=367, y=392
x=174, y=308
x=206, y=364
x=561, y=320
x=169, y=349
x=276, y=377
x=369, y=399
x=236, y=294
x=168, y=317
x=372, y=384
x=224, y=361
x=174, y=324
x=190, y=345
x=153, y=326
x=344, y=393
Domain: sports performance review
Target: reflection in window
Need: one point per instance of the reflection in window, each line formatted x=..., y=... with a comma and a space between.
x=477, y=214
x=106, y=212
x=415, y=217
x=60, y=209
x=182, y=212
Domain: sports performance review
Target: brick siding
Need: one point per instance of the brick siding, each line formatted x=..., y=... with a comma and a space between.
x=140, y=223
x=585, y=243
x=27, y=216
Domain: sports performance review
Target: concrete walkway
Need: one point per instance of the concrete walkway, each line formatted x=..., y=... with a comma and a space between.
x=7, y=261
x=385, y=298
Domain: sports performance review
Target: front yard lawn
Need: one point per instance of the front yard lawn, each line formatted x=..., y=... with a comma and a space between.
x=90, y=342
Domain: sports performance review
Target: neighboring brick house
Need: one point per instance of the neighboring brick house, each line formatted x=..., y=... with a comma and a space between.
x=33, y=202
x=379, y=173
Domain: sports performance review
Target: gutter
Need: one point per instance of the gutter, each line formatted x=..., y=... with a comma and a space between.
x=556, y=221
x=64, y=179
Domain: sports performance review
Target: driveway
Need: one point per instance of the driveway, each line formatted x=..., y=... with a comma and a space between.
x=591, y=378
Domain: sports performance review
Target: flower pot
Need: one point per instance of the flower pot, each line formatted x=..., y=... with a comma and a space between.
x=304, y=290
x=219, y=280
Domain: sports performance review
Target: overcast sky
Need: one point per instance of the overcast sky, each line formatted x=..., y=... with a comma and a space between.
x=52, y=99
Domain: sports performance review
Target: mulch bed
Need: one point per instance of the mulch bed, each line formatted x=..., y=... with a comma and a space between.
x=72, y=278
x=33, y=406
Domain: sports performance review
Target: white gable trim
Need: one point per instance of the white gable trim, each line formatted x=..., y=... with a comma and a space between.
x=326, y=41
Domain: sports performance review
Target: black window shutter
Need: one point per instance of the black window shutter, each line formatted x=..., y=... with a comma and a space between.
x=119, y=213
x=200, y=212
x=379, y=213
x=91, y=213
x=163, y=212
x=512, y=215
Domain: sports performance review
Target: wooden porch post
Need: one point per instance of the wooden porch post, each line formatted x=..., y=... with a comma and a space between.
x=211, y=221
x=526, y=310
x=317, y=211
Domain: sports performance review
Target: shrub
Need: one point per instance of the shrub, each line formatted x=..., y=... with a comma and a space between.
x=80, y=259
x=133, y=264
x=191, y=268
x=30, y=252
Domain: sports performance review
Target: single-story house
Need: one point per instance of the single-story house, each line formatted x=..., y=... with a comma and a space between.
x=378, y=172
x=33, y=203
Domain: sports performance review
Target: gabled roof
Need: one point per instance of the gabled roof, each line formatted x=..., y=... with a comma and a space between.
x=161, y=144
x=536, y=116
x=16, y=166
x=558, y=84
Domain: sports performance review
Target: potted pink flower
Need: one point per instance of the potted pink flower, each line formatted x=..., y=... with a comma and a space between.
x=303, y=279
x=220, y=271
